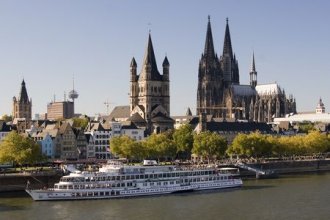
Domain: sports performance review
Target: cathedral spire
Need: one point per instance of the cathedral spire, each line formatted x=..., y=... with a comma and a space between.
x=209, y=47
x=149, y=56
x=227, y=48
x=149, y=68
x=23, y=96
x=253, y=73
x=253, y=66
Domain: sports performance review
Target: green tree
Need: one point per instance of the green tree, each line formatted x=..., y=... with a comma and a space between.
x=305, y=127
x=80, y=122
x=184, y=139
x=315, y=142
x=160, y=146
x=122, y=146
x=238, y=146
x=254, y=144
x=7, y=118
x=18, y=149
x=138, y=151
x=209, y=145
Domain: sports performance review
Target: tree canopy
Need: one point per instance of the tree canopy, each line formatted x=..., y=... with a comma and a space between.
x=256, y=144
x=160, y=146
x=184, y=139
x=7, y=118
x=80, y=122
x=18, y=149
x=209, y=144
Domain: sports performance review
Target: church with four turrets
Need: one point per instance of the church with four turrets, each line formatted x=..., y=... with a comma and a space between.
x=150, y=93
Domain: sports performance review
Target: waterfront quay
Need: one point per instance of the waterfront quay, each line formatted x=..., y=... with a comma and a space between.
x=42, y=179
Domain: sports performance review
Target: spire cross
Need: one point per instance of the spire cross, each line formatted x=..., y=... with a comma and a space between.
x=107, y=104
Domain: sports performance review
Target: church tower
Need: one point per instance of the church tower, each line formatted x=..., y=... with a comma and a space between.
x=229, y=64
x=210, y=79
x=253, y=74
x=22, y=106
x=149, y=91
x=320, y=108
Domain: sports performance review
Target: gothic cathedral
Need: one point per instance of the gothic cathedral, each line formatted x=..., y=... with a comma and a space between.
x=221, y=95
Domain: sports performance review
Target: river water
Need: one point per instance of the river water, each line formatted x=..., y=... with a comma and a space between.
x=290, y=197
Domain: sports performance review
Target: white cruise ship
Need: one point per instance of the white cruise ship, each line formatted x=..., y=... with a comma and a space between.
x=115, y=180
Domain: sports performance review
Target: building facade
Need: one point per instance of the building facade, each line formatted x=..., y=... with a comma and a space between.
x=47, y=146
x=220, y=93
x=100, y=140
x=81, y=143
x=22, y=105
x=60, y=110
x=68, y=142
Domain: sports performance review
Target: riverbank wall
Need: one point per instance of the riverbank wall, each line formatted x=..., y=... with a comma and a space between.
x=19, y=182
x=288, y=167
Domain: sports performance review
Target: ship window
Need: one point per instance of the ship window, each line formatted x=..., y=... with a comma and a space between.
x=144, y=184
x=165, y=183
x=122, y=184
x=106, y=193
x=159, y=183
x=151, y=184
x=141, y=176
x=171, y=182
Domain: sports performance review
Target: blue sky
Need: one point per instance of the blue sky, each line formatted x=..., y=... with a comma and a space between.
x=47, y=42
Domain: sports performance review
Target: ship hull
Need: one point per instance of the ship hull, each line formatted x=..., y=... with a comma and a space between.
x=50, y=194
